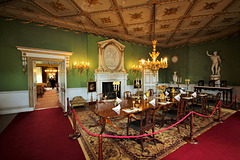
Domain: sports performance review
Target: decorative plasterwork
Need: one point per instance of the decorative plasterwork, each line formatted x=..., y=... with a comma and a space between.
x=45, y=53
x=110, y=57
x=132, y=20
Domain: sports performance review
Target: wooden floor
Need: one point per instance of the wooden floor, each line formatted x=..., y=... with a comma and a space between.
x=48, y=100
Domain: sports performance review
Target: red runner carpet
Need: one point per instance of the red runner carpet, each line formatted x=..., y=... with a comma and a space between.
x=219, y=143
x=39, y=135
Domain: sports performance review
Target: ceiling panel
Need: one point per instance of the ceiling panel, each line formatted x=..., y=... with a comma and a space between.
x=178, y=22
x=132, y=16
x=205, y=7
x=94, y=5
x=106, y=19
x=58, y=8
x=198, y=22
x=172, y=10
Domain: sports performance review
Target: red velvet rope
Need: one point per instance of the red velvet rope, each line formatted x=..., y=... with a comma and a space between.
x=111, y=136
x=69, y=108
x=231, y=103
x=143, y=135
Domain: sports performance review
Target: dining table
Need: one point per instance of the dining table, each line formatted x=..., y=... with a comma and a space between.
x=108, y=110
x=127, y=108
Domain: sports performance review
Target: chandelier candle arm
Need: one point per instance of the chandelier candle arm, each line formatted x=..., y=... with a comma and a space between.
x=155, y=64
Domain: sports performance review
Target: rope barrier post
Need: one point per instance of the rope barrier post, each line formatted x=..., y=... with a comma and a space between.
x=68, y=111
x=100, y=154
x=236, y=102
x=190, y=139
x=75, y=134
x=219, y=114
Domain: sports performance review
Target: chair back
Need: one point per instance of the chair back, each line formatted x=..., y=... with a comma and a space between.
x=147, y=118
x=217, y=98
x=181, y=107
x=201, y=83
x=212, y=83
x=151, y=92
x=223, y=84
x=204, y=103
x=127, y=94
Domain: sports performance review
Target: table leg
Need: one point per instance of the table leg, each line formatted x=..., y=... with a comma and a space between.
x=227, y=97
x=103, y=121
x=99, y=123
x=231, y=96
x=223, y=96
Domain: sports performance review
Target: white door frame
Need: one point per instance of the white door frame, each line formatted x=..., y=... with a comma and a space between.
x=38, y=54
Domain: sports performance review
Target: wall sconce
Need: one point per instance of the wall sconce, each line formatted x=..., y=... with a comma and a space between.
x=24, y=62
x=136, y=68
x=81, y=65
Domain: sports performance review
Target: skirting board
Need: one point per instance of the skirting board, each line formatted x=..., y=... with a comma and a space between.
x=11, y=110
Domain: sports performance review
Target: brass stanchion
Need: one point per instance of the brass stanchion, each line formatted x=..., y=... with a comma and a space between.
x=190, y=139
x=100, y=154
x=75, y=133
x=219, y=115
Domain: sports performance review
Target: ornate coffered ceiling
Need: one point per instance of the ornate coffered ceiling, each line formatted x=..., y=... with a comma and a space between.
x=178, y=22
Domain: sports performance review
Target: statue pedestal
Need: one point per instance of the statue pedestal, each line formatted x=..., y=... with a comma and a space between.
x=217, y=79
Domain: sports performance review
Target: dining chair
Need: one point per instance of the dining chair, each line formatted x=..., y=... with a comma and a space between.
x=223, y=83
x=144, y=123
x=213, y=101
x=211, y=83
x=99, y=97
x=151, y=92
x=176, y=113
x=201, y=107
x=127, y=94
x=201, y=83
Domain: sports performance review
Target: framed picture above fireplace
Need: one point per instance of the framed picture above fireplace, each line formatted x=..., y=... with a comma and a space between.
x=135, y=86
x=92, y=87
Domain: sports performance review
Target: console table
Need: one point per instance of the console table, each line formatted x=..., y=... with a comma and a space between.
x=224, y=90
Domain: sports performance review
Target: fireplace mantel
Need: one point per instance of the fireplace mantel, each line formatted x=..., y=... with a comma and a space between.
x=110, y=64
x=111, y=77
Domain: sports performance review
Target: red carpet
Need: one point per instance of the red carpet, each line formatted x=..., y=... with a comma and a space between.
x=219, y=143
x=39, y=135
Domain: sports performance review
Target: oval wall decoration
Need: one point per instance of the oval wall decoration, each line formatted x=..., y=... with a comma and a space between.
x=111, y=57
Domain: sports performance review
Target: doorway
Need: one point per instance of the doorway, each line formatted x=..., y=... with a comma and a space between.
x=34, y=55
x=47, y=84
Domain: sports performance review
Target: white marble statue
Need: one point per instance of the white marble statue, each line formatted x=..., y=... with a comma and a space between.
x=175, y=77
x=216, y=61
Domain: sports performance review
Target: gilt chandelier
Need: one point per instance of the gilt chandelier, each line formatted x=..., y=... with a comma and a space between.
x=155, y=64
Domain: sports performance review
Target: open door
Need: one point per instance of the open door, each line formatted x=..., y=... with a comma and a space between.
x=62, y=79
x=32, y=78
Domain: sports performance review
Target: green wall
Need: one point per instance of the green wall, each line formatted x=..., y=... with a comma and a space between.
x=195, y=64
x=83, y=46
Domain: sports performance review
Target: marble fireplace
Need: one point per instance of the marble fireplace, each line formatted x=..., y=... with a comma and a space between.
x=110, y=65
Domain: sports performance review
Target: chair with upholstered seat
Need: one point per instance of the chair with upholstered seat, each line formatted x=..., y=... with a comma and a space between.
x=145, y=123
x=127, y=94
x=176, y=113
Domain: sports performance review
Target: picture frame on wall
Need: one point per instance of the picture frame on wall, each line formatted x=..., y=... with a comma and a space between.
x=135, y=84
x=91, y=87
